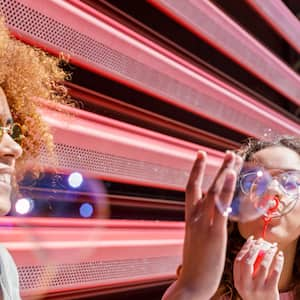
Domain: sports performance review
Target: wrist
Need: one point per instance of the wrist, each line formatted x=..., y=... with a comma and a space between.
x=180, y=291
x=191, y=286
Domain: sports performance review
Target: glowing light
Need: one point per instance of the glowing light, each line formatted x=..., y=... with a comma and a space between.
x=75, y=180
x=260, y=173
x=86, y=210
x=24, y=206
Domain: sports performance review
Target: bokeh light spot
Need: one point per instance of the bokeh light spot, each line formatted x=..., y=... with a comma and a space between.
x=75, y=180
x=24, y=206
x=86, y=210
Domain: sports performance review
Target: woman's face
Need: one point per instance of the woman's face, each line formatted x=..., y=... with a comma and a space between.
x=286, y=228
x=9, y=152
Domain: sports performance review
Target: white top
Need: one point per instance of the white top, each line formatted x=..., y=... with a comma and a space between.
x=9, y=278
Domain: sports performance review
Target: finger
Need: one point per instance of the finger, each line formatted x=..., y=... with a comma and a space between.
x=247, y=264
x=274, y=277
x=223, y=204
x=238, y=260
x=193, y=189
x=228, y=162
x=262, y=271
x=214, y=191
x=238, y=163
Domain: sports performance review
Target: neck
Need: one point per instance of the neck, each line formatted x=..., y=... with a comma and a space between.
x=287, y=272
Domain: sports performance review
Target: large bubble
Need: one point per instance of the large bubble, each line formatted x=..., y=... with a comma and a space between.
x=60, y=220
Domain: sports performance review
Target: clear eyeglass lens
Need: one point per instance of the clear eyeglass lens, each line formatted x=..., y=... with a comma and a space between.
x=290, y=182
x=16, y=133
x=256, y=192
x=257, y=178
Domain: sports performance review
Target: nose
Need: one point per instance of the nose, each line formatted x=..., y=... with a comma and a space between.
x=9, y=147
x=273, y=191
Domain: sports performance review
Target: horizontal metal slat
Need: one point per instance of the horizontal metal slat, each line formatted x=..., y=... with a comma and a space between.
x=277, y=14
x=113, y=199
x=105, y=253
x=208, y=22
x=100, y=44
x=108, y=149
x=144, y=115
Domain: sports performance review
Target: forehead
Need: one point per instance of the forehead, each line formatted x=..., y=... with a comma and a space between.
x=5, y=113
x=277, y=157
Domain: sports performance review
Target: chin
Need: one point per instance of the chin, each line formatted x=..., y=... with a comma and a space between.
x=5, y=206
x=254, y=228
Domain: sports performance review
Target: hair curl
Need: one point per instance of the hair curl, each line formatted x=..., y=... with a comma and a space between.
x=28, y=73
x=236, y=241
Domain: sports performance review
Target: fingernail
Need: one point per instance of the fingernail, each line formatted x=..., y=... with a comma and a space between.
x=201, y=154
x=249, y=240
x=259, y=241
x=229, y=155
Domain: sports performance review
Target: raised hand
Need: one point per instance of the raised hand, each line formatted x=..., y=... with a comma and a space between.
x=259, y=282
x=206, y=231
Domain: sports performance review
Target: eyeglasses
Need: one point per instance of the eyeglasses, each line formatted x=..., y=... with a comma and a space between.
x=284, y=188
x=14, y=131
x=260, y=179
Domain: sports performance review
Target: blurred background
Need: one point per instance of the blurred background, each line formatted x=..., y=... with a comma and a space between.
x=153, y=82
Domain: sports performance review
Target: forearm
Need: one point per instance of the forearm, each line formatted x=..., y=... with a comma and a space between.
x=179, y=292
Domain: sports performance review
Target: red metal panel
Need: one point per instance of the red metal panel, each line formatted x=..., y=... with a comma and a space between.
x=113, y=150
x=144, y=115
x=277, y=14
x=208, y=22
x=59, y=255
x=122, y=55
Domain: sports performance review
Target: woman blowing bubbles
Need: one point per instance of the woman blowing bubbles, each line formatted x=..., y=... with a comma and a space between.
x=25, y=73
x=220, y=258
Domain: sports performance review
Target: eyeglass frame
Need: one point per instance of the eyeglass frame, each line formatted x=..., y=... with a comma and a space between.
x=243, y=175
x=9, y=130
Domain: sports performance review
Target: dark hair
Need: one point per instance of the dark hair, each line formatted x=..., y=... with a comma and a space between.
x=253, y=145
x=235, y=240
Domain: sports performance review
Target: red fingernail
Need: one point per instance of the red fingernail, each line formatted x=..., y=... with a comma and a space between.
x=201, y=154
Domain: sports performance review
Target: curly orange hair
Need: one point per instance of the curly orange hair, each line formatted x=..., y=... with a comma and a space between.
x=26, y=73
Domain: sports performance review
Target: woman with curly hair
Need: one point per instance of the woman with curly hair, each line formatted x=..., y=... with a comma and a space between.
x=26, y=74
x=229, y=260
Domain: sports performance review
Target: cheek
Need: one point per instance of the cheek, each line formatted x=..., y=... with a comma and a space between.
x=5, y=206
x=5, y=202
x=293, y=220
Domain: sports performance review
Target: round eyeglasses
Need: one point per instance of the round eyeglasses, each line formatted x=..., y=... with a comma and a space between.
x=280, y=190
x=14, y=131
x=263, y=193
